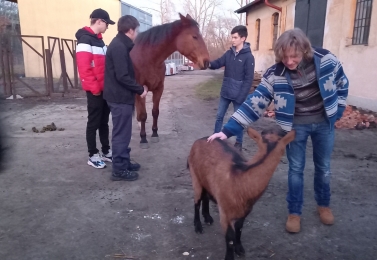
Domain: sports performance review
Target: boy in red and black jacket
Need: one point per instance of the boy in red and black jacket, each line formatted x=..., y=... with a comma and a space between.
x=90, y=55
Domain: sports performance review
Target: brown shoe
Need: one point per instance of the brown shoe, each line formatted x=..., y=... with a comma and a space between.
x=326, y=215
x=293, y=223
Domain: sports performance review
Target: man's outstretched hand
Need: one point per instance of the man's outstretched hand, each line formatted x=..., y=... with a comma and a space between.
x=220, y=135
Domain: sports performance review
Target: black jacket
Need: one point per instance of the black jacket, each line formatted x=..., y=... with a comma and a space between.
x=120, y=83
x=238, y=73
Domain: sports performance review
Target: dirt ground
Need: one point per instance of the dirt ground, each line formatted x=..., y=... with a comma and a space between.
x=54, y=206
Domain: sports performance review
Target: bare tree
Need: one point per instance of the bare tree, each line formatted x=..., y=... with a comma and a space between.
x=219, y=34
x=202, y=11
x=240, y=17
x=165, y=10
x=240, y=4
x=9, y=20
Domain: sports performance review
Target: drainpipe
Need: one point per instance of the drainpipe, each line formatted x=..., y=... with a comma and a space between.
x=273, y=6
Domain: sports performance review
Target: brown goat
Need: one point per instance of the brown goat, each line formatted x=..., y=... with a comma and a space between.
x=221, y=174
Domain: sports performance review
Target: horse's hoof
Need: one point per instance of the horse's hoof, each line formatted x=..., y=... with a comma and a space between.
x=144, y=145
x=155, y=139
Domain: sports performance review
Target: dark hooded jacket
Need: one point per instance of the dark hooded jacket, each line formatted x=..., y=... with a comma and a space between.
x=120, y=83
x=238, y=73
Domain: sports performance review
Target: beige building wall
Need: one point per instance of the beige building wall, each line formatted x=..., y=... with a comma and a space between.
x=358, y=60
x=264, y=56
x=59, y=19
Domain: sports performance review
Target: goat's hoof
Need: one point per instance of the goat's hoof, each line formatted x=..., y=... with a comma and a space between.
x=239, y=250
x=198, y=228
x=155, y=139
x=208, y=220
x=144, y=145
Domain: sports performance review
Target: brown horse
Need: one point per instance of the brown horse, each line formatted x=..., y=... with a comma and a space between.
x=151, y=49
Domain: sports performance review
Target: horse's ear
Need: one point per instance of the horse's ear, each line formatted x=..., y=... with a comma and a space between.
x=184, y=19
x=189, y=17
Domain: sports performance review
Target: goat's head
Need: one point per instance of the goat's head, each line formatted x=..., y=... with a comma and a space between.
x=271, y=139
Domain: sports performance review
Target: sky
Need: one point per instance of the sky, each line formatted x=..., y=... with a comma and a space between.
x=145, y=4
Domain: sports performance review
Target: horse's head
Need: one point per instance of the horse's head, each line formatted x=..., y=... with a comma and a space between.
x=190, y=42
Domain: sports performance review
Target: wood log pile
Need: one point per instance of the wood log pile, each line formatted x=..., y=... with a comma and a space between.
x=357, y=119
x=256, y=81
x=352, y=118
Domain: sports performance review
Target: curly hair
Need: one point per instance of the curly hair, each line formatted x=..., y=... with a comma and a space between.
x=296, y=39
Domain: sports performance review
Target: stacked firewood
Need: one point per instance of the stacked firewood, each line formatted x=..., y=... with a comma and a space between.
x=256, y=81
x=354, y=118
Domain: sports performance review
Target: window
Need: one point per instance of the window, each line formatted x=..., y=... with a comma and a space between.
x=257, y=30
x=362, y=22
x=275, y=27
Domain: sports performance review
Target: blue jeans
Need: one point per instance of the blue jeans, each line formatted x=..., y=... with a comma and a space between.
x=323, y=142
x=223, y=107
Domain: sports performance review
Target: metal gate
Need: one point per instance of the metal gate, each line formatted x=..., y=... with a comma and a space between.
x=310, y=16
x=13, y=68
x=30, y=69
x=69, y=47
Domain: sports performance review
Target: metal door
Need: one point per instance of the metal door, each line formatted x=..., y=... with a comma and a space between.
x=310, y=16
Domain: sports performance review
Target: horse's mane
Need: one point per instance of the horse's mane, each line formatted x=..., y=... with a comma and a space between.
x=157, y=34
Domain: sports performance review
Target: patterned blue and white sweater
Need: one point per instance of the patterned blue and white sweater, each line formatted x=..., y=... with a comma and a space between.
x=276, y=85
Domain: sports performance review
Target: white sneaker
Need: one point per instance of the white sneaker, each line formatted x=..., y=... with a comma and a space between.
x=96, y=162
x=108, y=157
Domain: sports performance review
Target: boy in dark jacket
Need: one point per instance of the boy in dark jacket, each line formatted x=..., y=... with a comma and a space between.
x=238, y=77
x=119, y=92
x=90, y=55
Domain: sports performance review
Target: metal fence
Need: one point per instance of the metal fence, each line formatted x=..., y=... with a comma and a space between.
x=34, y=65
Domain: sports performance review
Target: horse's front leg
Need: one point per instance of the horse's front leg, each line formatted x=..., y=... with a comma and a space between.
x=142, y=118
x=155, y=112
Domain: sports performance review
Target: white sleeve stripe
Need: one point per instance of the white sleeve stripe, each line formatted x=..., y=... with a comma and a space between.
x=82, y=47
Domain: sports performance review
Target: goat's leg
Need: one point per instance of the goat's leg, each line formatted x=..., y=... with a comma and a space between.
x=197, y=223
x=230, y=238
x=205, y=208
x=238, y=248
x=198, y=193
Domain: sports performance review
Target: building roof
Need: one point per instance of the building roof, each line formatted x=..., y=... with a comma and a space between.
x=248, y=6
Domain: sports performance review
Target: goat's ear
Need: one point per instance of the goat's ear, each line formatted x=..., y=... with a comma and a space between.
x=189, y=17
x=289, y=137
x=254, y=134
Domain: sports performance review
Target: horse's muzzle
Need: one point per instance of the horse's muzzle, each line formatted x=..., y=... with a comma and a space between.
x=205, y=65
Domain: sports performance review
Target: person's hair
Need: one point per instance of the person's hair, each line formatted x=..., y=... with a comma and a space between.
x=127, y=22
x=93, y=20
x=296, y=39
x=241, y=30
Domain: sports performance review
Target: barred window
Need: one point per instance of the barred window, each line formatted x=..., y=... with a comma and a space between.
x=362, y=22
x=275, y=24
x=257, y=30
